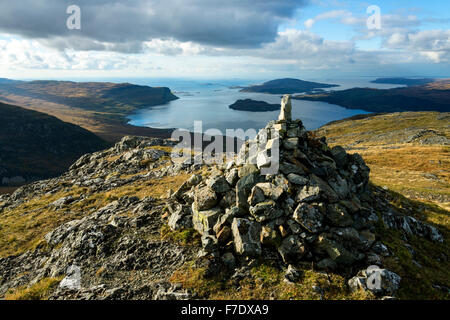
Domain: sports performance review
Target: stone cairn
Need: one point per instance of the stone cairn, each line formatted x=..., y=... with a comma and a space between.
x=315, y=209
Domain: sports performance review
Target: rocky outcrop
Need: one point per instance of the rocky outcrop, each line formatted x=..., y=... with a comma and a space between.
x=115, y=240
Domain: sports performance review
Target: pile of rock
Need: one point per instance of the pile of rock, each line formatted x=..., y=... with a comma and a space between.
x=315, y=208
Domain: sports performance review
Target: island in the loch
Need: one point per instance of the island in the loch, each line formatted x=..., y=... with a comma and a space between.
x=434, y=96
x=404, y=81
x=287, y=86
x=254, y=106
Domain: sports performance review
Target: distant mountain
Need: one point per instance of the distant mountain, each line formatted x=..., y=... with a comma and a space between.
x=434, y=96
x=405, y=81
x=254, y=106
x=99, y=96
x=100, y=107
x=34, y=145
x=4, y=80
x=287, y=86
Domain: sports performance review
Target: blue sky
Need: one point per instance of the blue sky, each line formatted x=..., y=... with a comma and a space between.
x=434, y=14
x=255, y=39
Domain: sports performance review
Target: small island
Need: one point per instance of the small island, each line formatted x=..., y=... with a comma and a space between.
x=287, y=86
x=254, y=106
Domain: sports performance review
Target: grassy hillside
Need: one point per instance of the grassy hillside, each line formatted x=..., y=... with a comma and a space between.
x=408, y=152
x=401, y=150
x=34, y=145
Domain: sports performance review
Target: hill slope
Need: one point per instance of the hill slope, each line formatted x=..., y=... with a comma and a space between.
x=100, y=107
x=34, y=145
x=409, y=152
x=114, y=214
x=405, y=81
x=433, y=96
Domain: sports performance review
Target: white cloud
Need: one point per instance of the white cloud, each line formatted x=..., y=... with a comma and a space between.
x=432, y=44
x=343, y=16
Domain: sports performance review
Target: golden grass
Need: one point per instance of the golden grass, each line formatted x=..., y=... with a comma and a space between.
x=387, y=128
x=39, y=291
x=23, y=228
x=411, y=172
x=156, y=188
x=418, y=171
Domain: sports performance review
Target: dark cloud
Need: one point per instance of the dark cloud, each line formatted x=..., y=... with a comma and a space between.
x=123, y=25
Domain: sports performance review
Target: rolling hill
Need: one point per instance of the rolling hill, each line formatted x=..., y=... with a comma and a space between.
x=34, y=145
x=433, y=96
x=100, y=107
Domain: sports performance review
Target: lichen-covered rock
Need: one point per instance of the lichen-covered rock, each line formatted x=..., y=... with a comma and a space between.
x=292, y=249
x=218, y=184
x=309, y=217
x=297, y=179
x=205, y=198
x=338, y=216
x=269, y=236
x=336, y=251
x=267, y=210
x=382, y=281
x=244, y=187
x=204, y=221
x=246, y=237
x=270, y=190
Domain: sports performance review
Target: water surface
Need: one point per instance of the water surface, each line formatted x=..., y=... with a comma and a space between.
x=208, y=101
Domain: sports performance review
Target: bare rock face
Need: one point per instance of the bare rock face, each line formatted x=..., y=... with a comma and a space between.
x=286, y=108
